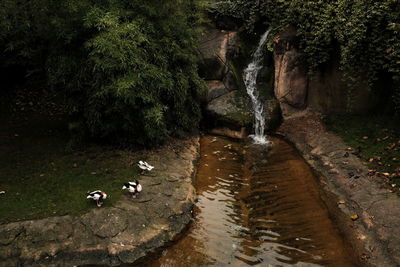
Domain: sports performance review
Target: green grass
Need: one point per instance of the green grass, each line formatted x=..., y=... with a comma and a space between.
x=41, y=179
x=378, y=138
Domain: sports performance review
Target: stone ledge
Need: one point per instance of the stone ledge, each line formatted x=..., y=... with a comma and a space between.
x=124, y=233
x=376, y=234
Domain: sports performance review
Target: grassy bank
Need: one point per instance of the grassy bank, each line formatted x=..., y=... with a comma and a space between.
x=375, y=139
x=41, y=179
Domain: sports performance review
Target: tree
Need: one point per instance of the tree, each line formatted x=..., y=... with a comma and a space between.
x=128, y=68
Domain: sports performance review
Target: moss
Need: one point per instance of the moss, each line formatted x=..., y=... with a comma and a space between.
x=242, y=118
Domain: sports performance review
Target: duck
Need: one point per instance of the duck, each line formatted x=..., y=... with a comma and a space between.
x=144, y=166
x=97, y=195
x=133, y=187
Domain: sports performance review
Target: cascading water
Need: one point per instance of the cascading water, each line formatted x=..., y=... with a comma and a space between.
x=250, y=81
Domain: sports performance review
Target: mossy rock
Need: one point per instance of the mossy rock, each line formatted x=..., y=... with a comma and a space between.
x=231, y=110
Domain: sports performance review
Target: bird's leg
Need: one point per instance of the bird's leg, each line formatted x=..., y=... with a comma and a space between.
x=133, y=195
x=98, y=203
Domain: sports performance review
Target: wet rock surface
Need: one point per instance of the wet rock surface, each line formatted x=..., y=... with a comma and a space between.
x=115, y=235
x=371, y=214
x=231, y=109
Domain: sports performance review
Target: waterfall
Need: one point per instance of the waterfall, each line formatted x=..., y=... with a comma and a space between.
x=250, y=81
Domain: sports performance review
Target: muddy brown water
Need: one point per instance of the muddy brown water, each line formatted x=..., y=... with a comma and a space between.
x=256, y=207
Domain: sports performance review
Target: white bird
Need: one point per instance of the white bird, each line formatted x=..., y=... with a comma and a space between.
x=97, y=195
x=133, y=187
x=144, y=166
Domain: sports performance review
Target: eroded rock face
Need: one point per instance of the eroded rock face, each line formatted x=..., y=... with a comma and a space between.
x=214, y=46
x=216, y=88
x=291, y=81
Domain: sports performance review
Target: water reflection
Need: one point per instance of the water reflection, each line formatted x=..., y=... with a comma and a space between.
x=256, y=208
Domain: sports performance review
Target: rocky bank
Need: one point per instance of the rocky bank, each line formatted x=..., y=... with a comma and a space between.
x=363, y=209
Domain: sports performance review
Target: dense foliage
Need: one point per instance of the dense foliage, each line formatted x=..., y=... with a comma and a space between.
x=365, y=32
x=127, y=67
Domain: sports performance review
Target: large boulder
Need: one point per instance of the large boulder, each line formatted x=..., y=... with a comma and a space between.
x=213, y=49
x=230, y=110
x=291, y=81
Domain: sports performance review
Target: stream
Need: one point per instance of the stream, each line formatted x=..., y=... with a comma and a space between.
x=256, y=207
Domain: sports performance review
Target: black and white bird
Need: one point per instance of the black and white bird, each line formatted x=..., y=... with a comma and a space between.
x=133, y=187
x=98, y=196
x=144, y=166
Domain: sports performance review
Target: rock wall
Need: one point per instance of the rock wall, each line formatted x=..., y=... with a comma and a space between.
x=228, y=108
x=324, y=92
x=291, y=81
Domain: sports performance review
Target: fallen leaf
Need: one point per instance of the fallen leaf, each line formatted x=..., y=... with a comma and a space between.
x=361, y=236
x=391, y=146
x=365, y=137
x=365, y=256
x=354, y=217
